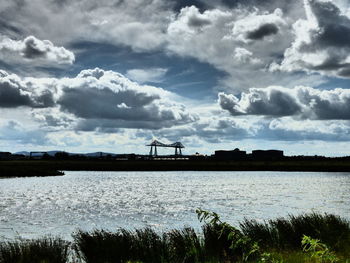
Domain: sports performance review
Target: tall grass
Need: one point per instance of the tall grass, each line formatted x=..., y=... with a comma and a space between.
x=287, y=233
x=216, y=242
x=44, y=250
x=144, y=245
x=184, y=246
x=273, y=241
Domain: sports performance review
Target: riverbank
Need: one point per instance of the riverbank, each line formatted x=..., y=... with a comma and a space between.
x=27, y=169
x=304, y=238
x=24, y=168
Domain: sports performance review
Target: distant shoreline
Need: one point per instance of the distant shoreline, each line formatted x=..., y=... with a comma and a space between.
x=28, y=168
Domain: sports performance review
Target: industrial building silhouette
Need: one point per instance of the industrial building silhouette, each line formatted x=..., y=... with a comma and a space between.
x=219, y=155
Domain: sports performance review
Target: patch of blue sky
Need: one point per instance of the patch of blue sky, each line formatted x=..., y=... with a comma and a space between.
x=185, y=76
x=333, y=83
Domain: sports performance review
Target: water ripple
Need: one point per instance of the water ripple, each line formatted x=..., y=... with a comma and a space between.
x=33, y=207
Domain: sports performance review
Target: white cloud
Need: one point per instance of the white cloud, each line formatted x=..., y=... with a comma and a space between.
x=237, y=41
x=321, y=41
x=257, y=27
x=208, y=35
x=138, y=24
x=97, y=99
x=32, y=48
x=192, y=39
x=245, y=56
x=15, y=92
x=147, y=75
x=301, y=102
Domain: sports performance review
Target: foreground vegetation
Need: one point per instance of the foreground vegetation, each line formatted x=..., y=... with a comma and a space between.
x=305, y=238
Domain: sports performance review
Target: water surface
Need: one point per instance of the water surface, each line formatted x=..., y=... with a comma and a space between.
x=32, y=207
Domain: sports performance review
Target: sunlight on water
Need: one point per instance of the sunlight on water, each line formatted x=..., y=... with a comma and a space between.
x=32, y=207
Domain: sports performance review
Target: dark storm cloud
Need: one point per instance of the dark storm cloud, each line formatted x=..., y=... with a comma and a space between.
x=179, y=4
x=263, y=31
x=327, y=50
x=31, y=49
x=269, y=102
x=106, y=103
x=11, y=96
x=202, y=5
x=259, y=26
x=99, y=96
x=97, y=99
x=335, y=26
x=8, y=29
x=195, y=21
x=213, y=130
x=345, y=72
x=15, y=93
x=325, y=105
x=222, y=129
x=301, y=102
x=112, y=125
x=268, y=5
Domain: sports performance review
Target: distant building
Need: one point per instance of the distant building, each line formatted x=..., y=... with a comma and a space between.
x=18, y=157
x=5, y=155
x=197, y=157
x=235, y=154
x=267, y=154
x=125, y=157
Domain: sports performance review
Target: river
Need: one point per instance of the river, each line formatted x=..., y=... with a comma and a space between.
x=37, y=206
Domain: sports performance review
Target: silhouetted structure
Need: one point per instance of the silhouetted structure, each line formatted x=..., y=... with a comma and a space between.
x=236, y=154
x=62, y=155
x=36, y=154
x=5, y=155
x=177, y=145
x=267, y=154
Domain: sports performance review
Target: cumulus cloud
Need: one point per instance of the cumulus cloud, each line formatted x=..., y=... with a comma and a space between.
x=188, y=38
x=15, y=92
x=233, y=36
x=147, y=75
x=289, y=129
x=114, y=97
x=53, y=118
x=270, y=102
x=237, y=41
x=32, y=48
x=96, y=98
x=183, y=22
x=301, y=102
x=212, y=129
x=139, y=25
x=190, y=19
x=245, y=56
x=257, y=27
x=263, y=31
x=203, y=32
x=227, y=131
x=322, y=41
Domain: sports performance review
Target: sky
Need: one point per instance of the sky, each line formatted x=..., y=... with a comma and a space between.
x=113, y=75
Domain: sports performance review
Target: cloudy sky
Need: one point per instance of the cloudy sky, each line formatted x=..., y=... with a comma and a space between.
x=111, y=75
